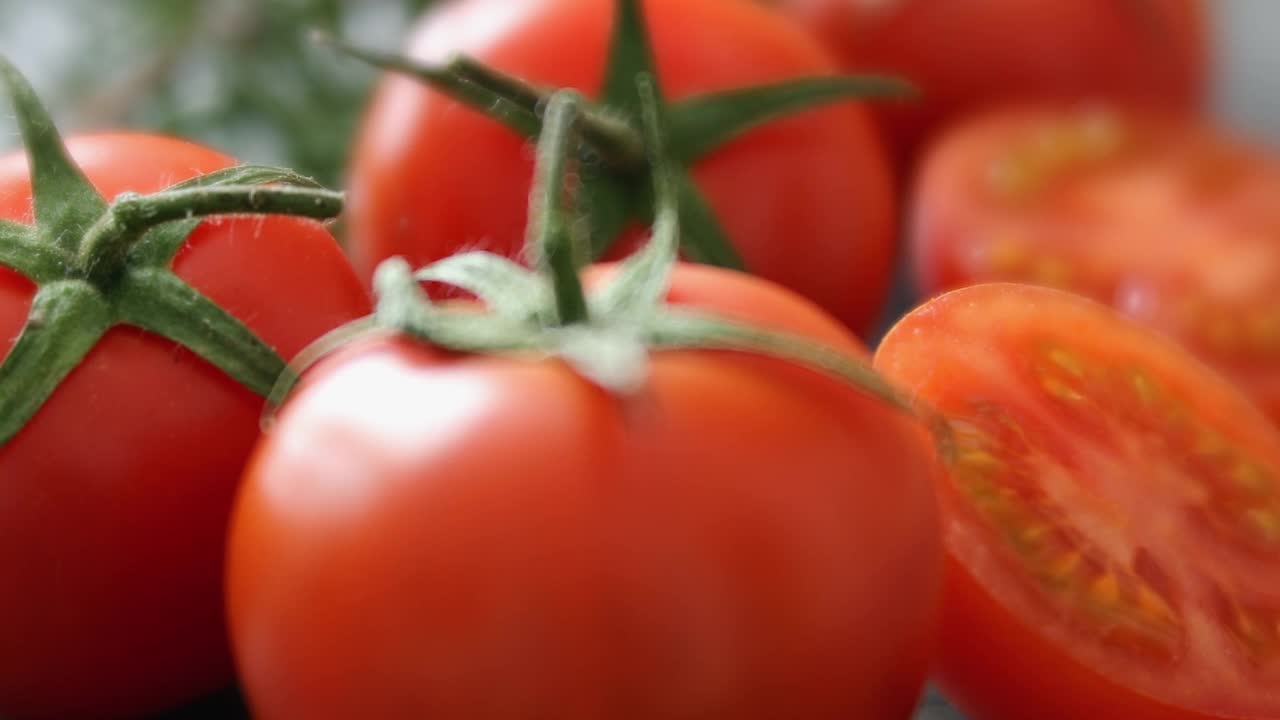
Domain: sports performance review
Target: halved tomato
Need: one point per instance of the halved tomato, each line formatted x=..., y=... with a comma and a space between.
x=1177, y=225
x=1111, y=513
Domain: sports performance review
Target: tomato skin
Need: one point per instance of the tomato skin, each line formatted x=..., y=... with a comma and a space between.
x=1007, y=650
x=116, y=495
x=968, y=54
x=807, y=201
x=1172, y=225
x=430, y=536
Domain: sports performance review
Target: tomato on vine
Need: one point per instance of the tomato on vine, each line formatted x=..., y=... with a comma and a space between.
x=678, y=493
x=805, y=201
x=137, y=338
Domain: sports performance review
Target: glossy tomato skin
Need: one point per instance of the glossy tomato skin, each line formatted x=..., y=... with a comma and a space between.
x=965, y=55
x=1066, y=378
x=1169, y=221
x=115, y=498
x=807, y=200
x=431, y=536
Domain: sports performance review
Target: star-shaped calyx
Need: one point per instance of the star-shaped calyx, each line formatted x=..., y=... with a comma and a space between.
x=620, y=192
x=97, y=264
x=608, y=334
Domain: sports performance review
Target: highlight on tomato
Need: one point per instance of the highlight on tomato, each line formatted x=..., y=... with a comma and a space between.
x=797, y=194
x=142, y=318
x=678, y=492
x=1171, y=222
x=966, y=55
x=1111, y=513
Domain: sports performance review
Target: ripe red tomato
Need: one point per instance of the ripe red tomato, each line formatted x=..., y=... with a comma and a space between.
x=968, y=54
x=807, y=201
x=115, y=497
x=428, y=535
x=1111, y=514
x=1171, y=223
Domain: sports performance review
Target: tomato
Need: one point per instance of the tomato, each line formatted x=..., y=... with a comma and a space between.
x=432, y=535
x=1170, y=222
x=1111, y=513
x=116, y=495
x=806, y=201
x=968, y=54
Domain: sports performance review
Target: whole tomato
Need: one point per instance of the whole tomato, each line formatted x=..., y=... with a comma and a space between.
x=806, y=201
x=427, y=534
x=116, y=493
x=965, y=55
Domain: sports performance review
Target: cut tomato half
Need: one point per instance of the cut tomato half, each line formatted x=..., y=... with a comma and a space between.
x=1170, y=222
x=1111, y=513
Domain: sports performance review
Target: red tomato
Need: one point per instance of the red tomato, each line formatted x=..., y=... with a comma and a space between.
x=806, y=201
x=1111, y=514
x=427, y=535
x=1171, y=223
x=116, y=495
x=967, y=54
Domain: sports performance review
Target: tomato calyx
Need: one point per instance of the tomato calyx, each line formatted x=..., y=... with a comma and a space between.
x=619, y=166
x=99, y=264
x=606, y=335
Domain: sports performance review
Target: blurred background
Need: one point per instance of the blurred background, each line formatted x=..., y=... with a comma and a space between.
x=240, y=75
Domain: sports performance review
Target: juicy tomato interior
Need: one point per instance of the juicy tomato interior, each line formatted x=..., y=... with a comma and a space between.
x=1106, y=493
x=1170, y=223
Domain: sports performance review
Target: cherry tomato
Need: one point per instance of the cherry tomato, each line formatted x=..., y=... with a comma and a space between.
x=807, y=201
x=431, y=535
x=115, y=498
x=968, y=54
x=1111, y=513
x=1172, y=223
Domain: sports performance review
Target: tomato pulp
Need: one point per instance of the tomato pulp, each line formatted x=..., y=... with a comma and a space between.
x=1171, y=223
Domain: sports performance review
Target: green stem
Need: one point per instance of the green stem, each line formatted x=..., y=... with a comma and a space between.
x=108, y=240
x=523, y=120
x=617, y=143
x=550, y=238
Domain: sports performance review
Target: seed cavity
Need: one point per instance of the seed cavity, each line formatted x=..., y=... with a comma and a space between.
x=1057, y=388
x=1066, y=360
x=1255, y=628
x=1053, y=148
x=1144, y=387
x=1265, y=523
x=1252, y=479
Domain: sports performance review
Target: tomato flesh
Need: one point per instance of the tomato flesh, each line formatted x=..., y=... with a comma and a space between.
x=1110, y=502
x=1170, y=223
